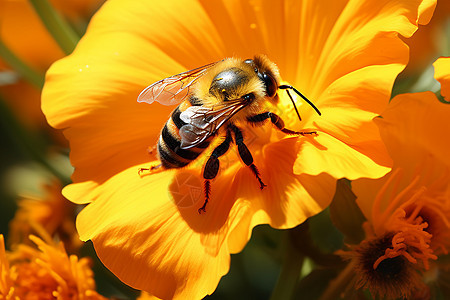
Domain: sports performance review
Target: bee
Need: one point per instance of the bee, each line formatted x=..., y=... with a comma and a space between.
x=212, y=100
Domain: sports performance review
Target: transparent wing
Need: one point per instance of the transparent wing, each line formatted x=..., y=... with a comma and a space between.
x=174, y=89
x=203, y=122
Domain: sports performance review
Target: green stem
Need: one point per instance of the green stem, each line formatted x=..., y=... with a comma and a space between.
x=31, y=75
x=61, y=31
x=338, y=285
x=25, y=143
x=290, y=271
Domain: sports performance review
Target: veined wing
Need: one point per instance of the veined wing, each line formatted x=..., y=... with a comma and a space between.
x=203, y=122
x=174, y=89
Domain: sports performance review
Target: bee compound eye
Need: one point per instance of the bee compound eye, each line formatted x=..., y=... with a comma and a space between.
x=271, y=85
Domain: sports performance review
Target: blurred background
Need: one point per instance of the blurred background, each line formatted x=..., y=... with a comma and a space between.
x=34, y=158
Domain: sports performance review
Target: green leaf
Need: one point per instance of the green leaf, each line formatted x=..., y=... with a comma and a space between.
x=324, y=234
x=345, y=213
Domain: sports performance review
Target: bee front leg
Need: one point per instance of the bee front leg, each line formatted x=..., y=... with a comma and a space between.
x=212, y=168
x=245, y=154
x=278, y=122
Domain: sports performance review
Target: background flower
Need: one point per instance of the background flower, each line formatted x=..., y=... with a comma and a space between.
x=23, y=32
x=45, y=273
x=411, y=204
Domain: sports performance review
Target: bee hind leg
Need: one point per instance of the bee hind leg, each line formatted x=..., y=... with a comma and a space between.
x=245, y=155
x=207, y=190
x=212, y=168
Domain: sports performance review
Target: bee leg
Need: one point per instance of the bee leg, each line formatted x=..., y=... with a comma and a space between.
x=245, y=154
x=141, y=170
x=278, y=122
x=212, y=168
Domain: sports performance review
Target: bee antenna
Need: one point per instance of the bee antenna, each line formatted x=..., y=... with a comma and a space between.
x=290, y=87
x=293, y=102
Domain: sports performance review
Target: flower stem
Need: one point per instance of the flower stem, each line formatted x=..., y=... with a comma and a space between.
x=337, y=286
x=290, y=271
x=61, y=31
x=31, y=75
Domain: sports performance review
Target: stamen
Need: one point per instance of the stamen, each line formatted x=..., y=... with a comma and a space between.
x=376, y=211
x=395, y=202
x=411, y=241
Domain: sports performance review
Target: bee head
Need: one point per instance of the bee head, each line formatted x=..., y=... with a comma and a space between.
x=235, y=82
x=267, y=72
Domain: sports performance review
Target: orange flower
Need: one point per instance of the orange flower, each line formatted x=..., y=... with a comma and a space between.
x=146, y=296
x=49, y=213
x=22, y=31
x=441, y=68
x=47, y=273
x=24, y=34
x=427, y=43
x=410, y=205
x=344, y=57
x=77, y=10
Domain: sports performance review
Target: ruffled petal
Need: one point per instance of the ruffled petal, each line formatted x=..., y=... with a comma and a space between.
x=133, y=221
x=352, y=78
x=288, y=200
x=414, y=128
x=326, y=152
x=153, y=238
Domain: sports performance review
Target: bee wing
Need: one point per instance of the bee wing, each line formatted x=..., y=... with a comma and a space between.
x=203, y=122
x=174, y=89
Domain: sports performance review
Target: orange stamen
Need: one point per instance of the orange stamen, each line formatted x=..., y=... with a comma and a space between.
x=411, y=240
x=395, y=202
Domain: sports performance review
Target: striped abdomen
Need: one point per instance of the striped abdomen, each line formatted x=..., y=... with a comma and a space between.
x=169, y=151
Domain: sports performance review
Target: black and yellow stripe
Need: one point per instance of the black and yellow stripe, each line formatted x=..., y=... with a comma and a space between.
x=169, y=151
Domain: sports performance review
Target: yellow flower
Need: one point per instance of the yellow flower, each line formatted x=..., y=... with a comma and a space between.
x=409, y=208
x=47, y=273
x=343, y=56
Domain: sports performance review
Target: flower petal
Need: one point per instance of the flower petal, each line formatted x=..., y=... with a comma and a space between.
x=442, y=74
x=152, y=236
x=153, y=221
x=288, y=200
x=363, y=34
x=352, y=79
x=326, y=152
x=413, y=128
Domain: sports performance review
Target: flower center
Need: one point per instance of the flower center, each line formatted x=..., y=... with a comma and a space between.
x=393, y=277
x=413, y=237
